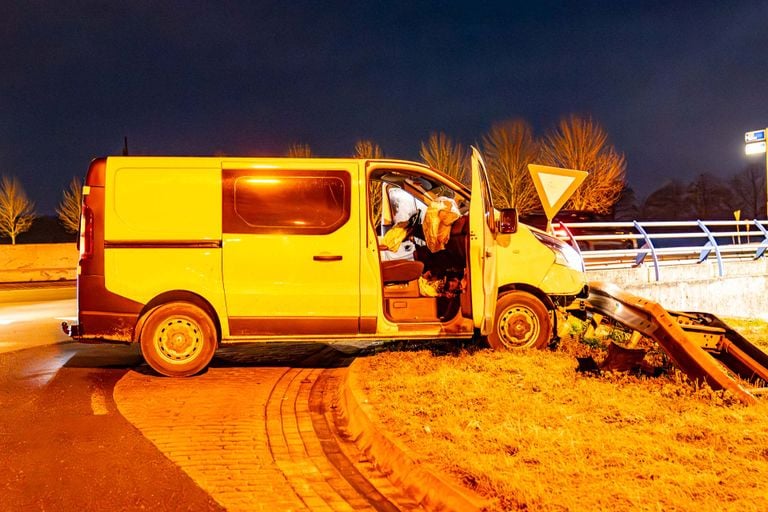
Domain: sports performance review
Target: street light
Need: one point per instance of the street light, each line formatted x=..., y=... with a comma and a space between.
x=755, y=144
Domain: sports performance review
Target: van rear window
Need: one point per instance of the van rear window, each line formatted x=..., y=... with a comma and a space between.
x=306, y=202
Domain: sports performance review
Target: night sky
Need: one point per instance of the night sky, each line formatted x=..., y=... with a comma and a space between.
x=675, y=84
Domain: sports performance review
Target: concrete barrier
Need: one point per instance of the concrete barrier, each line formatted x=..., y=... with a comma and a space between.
x=739, y=293
x=38, y=262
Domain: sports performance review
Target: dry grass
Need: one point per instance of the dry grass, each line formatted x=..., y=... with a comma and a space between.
x=530, y=433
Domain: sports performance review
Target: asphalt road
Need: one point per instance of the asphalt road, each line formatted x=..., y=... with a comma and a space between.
x=90, y=427
x=62, y=444
x=57, y=452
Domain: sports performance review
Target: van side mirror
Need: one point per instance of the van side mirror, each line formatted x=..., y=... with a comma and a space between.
x=508, y=220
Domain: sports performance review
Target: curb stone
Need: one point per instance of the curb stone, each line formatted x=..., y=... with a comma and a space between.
x=400, y=464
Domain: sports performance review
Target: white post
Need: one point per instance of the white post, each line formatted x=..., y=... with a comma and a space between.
x=756, y=142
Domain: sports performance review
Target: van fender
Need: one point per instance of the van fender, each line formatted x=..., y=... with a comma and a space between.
x=178, y=296
x=543, y=297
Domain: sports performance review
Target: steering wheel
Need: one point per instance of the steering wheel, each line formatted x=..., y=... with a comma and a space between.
x=413, y=220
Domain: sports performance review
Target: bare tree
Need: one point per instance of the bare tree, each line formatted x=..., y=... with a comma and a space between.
x=626, y=207
x=748, y=188
x=367, y=149
x=445, y=155
x=508, y=149
x=16, y=210
x=709, y=198
x=581, y=143
x=299, y=151
x=665, y=203
x=69, y=207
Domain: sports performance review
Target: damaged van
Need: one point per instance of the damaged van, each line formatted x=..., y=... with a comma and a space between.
x=183, y=254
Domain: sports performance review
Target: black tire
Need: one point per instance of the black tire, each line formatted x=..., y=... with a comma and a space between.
x=178, y=339
x=522, y=322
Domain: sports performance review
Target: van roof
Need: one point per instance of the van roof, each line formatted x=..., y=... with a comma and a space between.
x=98, y=165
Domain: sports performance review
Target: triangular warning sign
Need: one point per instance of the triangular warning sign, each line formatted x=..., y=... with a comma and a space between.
x=555, y=186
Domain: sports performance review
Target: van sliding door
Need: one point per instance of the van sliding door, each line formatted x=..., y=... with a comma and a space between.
x=291, y=250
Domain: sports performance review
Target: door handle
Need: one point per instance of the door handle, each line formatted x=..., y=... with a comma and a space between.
x=323, y=257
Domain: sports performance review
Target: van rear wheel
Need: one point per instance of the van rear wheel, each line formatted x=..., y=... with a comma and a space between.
x=522, y=322
x=178, y=339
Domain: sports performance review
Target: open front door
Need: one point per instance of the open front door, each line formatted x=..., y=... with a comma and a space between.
x=482, y=248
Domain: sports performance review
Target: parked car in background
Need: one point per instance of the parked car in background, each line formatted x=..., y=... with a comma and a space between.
x=569, y=217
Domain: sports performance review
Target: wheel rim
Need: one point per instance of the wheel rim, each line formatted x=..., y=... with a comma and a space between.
x=178, y=340
x=518, y=327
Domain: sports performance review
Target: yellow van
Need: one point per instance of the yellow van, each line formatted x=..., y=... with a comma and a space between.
x=182, y=254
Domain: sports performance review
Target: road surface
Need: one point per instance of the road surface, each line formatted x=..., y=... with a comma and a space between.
x=90, y=427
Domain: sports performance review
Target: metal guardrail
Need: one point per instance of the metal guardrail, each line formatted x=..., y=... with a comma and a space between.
x=614, y=245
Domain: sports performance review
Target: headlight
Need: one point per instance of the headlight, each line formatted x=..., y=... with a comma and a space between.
x=564, y=254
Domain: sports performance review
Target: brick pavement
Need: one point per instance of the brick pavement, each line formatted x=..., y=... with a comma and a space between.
x=213, y=427
x=249, y=437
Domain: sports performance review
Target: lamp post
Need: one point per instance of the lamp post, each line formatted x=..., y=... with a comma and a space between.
x=755, y=145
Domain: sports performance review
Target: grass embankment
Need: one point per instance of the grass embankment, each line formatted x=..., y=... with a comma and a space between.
x=528, y=432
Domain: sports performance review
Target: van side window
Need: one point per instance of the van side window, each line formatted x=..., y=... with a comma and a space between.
x=296, y=201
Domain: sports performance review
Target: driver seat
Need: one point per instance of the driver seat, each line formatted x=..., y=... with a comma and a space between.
x=401, y=271
x=400, y=277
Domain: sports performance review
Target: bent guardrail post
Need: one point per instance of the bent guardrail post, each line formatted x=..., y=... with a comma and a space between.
x=571, y=238
x=712, y=243
x=764, y=244
x=649, y=243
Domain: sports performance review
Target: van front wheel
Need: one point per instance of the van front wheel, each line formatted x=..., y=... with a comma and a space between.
x=178, y=339
x=522, y=322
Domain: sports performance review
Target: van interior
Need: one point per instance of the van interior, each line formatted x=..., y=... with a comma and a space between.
x=423, y=234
